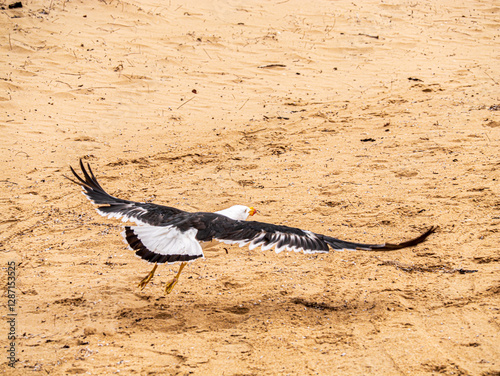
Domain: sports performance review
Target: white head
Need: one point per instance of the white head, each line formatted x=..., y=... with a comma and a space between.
x=238, y=212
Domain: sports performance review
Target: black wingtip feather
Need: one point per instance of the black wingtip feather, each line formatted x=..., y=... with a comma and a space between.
x=409, y=243
x=89, y=180
x=92, y=188
x=94, y=179
x=89, y=183
x=80, y=181
x=341, y=244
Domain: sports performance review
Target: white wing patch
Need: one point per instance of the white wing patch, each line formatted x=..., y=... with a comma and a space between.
x=168, y=240
x=125, y=217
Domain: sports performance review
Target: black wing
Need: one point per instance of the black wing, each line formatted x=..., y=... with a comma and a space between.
x=113, y=207
x=267, y=236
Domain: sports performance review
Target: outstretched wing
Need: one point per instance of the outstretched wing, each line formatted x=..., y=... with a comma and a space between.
x=267, y=236
x=179, y=240
x=113, y=207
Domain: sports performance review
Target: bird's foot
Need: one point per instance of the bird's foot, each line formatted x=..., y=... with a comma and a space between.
x=148, y=278
x=170, y=286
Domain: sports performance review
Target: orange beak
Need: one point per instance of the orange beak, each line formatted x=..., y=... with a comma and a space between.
x=252, y=210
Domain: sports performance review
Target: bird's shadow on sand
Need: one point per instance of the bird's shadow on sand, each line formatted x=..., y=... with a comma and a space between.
x=170, y=315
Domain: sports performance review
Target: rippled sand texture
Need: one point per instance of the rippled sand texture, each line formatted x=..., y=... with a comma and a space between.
x=368, y=121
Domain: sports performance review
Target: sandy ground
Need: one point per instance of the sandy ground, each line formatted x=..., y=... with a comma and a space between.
x=366, y=120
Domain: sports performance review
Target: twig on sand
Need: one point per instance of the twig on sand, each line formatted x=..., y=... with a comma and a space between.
x=495, y=81
x=244, y=103
x=369, y=36
x=189, y=100
x=207, y=54
x=272, y=66
x=19, y=152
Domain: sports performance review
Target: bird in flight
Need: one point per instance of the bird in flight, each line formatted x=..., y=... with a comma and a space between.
x=168, y=235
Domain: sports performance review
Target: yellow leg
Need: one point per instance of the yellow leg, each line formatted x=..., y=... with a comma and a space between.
x=148, y=278
x=170, y=286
